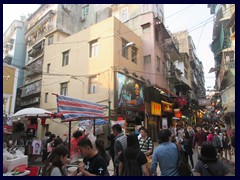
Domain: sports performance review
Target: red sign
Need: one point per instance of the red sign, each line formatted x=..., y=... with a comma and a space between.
x=182, y=101
x=7, y=129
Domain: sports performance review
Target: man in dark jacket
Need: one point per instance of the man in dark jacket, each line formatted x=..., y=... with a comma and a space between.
x=199, y=138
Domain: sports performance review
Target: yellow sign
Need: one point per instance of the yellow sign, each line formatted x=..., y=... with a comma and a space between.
x=156, y=109
x=167, y=107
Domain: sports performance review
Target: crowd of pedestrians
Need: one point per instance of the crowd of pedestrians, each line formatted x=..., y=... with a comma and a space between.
x=135, y=154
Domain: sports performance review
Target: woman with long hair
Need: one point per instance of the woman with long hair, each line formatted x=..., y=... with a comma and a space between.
x=101, y=150
x=55, y=164
x=133, y=152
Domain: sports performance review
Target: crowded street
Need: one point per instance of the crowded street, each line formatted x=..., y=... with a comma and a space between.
x=119, y=90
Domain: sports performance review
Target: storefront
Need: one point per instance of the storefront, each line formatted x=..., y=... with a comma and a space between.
x=159, y=109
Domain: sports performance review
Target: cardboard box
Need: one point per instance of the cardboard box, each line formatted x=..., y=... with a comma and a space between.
x=13, y=163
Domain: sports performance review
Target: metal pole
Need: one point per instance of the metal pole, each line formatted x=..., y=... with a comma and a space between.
x=109, y=113
x=94, y=126
x=69, y=137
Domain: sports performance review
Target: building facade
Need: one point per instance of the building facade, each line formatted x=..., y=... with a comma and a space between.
x=223, y=48
x=86, y=65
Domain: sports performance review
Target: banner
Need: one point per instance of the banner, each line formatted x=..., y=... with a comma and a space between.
x=130, y=92
x=164, y=123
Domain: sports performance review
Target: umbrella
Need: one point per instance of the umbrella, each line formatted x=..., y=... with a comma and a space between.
x=32, y=112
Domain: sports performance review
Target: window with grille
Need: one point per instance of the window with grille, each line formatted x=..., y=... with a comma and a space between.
x=65, y=58
x=50, y=40
x=145, y=8
x=124, y=49
x=147, y=59
x=64, y=89
x=94, y=48
x=85, y=10
x=158, y=64
x=46, y=98
x=134, y=55
x=93, y=86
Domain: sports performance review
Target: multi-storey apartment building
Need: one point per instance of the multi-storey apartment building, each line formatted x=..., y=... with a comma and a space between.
x=89, y=65
x=223, y=48
x=46, y=20
x=196, y=80
x=14, y=54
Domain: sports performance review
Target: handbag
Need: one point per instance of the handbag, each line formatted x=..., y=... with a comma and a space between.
x=184, y=168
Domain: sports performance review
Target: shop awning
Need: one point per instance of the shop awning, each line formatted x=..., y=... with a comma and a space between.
x=163, y=90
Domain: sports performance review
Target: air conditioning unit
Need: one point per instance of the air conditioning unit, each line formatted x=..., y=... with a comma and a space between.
x=82, y=19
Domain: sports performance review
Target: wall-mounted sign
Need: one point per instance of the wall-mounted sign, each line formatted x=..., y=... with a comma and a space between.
x=167, y=107
x=156, y=109
x=130, y=92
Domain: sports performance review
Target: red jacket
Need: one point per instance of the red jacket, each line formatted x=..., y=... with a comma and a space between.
x=199, y=138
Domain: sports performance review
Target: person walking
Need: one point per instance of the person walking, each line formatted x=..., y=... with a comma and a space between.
x=145, y=142
x=133, y=153
x=44, y=145
x=119, y=146
x=208, y=163
x=199, y=137
x=227, y=146
x=187, y=144
x=166, y=155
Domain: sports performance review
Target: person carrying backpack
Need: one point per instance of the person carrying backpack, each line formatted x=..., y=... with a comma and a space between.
x=132, y=161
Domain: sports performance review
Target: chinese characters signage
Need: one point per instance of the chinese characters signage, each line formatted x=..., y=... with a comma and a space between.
x=167, y=107
x=156, y=109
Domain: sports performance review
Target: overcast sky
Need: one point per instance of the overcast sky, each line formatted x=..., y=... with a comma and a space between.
x=193, y=17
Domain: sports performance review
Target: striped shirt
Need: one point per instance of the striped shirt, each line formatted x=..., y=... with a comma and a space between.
x=145, y=145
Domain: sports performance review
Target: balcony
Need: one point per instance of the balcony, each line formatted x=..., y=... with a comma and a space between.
x=175, y=75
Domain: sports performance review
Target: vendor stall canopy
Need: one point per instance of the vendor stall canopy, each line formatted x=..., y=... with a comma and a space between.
x=72, y=108
x=31, y=112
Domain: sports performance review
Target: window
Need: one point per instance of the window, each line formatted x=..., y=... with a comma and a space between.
x=85, y=10
x=163, y=69
x=50, y=40
x=124, y=49
x=92, y=88
x=134, y=55
x=65, y=58
x=46, y=98
x=48, y=67
x=145, y=8
x=158, y=64
x=147, y=59
x=124, y=15
x=64, y=89
x=93, y=48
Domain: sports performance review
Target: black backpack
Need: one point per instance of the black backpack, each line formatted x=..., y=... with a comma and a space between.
x=131, y=167
x=184, y=168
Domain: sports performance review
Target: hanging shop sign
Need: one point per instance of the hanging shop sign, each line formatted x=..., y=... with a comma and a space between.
x=181, y=101
x=167, y=107
x=177, y=113
x=156, y=109
x=164, y=123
